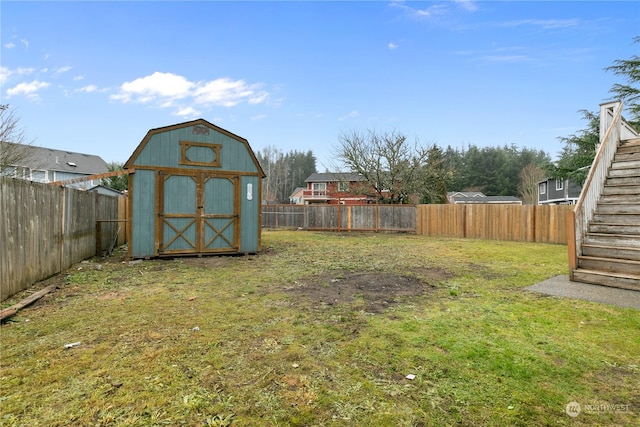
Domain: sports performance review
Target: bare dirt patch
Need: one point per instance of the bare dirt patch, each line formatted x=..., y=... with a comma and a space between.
x=378, y=290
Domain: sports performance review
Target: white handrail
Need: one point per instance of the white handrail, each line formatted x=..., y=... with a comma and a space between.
x=610, y=130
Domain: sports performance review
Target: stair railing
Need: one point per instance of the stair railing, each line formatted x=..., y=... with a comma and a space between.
x=611, y=124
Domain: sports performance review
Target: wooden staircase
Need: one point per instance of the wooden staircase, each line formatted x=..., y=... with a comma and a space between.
x=611, y=247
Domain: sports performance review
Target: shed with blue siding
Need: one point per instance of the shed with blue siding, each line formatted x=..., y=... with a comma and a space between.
x=194, y=189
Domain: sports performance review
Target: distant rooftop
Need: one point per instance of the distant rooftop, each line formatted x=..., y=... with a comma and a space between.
x=62, y=161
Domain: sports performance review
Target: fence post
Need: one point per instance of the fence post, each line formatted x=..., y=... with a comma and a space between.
x=98, y=238
x=571, y=241
x=63, y=222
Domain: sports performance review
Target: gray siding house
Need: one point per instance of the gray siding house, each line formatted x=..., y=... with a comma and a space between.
x=476, y=197
x=40, y=164
x=554, y=191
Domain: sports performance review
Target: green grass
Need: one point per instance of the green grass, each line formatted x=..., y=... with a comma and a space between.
x=235, y=341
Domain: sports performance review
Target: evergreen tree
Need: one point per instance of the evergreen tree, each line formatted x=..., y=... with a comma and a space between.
x=628, y=93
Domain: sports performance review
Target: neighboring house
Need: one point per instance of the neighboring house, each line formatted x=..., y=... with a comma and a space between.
x=48, y=165
x=460, y=196
x=296, y=198
x=476, y=197
x=557, y=191
x=101, y=189
x=334, y=188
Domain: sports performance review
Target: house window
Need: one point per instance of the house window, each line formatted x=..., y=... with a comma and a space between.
x=9, y=171
x=542, y=188
x=343, y=186
x=38, y=176
x=559, y=184
x=200, y=154
x=319, y=188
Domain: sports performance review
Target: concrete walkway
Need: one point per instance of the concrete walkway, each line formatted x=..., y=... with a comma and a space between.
x=561, y=286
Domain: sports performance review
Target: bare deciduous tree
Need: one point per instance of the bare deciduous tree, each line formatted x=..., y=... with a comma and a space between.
x=391, y=164
x=530, y=176
x=14, y=149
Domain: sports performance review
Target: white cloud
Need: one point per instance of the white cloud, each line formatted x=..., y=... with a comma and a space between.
x=259, y=117
x=547, y=24
x=434, y=10
x=61, y=70
x=164, y=89
x=227, y=93
x=156, y=87
x=507, y=58
x=25, y=43
x=10, y=45
x=88, y=89
x=6, y=73
x=187, y=112
x=30, y=90
x=259, y=98
x=392, y=46
x=352, y=114
x=468, y=5
x=429, y=12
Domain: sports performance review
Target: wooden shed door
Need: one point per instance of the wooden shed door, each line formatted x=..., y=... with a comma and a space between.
x=197, y=214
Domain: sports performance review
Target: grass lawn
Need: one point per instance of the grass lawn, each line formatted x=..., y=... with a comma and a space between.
x=321, y=329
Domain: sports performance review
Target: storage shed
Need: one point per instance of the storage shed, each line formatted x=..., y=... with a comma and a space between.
x=194, y=189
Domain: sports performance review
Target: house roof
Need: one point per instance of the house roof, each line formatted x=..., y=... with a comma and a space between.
x=297, y=190
x=465, y=194
x=487, y=199
x=62, y=161
x=335, y=177
x=104, y=189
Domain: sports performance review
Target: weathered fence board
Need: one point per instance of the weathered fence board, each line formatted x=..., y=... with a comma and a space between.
x=340, y=217
x=45, y=229
x=287, y=216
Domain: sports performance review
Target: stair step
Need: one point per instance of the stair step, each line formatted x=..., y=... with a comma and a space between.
x=630, y=155
x=611, y=218
x=618, y=208
x=623, y=281
x=620, y=198
x=626, y=162
x=622, y=180
x=628, y=147
x=610, y=265
x=614, y=190
x=630, y=141
x=608, y=228
x=602, y=251
x=623, y=172
x=617, y=240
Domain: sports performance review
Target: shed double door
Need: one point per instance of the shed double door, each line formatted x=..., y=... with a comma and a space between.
x=196, y=213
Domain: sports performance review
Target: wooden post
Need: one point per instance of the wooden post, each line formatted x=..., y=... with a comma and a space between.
x=98, y=238
x=571, y=241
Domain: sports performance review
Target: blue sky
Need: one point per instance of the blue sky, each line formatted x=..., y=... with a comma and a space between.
x=94, y=77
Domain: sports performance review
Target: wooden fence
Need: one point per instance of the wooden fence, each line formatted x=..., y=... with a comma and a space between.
x=526, y=223
x=46, y=229
x=523, y=223
x=399, y=218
